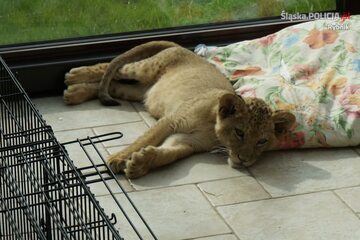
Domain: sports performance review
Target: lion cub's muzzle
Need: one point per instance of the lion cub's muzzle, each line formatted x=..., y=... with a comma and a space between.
x=238, y=161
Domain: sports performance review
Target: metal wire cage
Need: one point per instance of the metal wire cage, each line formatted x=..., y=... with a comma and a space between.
x=42, y=194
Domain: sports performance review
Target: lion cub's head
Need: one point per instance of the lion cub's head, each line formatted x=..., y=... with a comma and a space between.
x=247, y=127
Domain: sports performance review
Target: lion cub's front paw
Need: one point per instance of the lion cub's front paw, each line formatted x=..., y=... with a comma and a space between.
x=117, y=163
x=141, y=162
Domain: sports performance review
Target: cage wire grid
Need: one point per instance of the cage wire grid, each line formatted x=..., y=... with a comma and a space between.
x=43, y=195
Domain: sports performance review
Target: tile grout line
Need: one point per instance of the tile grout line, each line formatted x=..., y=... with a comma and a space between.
x=287, y=196
x=218, y=214
x=190, y=183
x=141, y=116
x=343, y=201
x=220, y=179
x=271, y=196
x=215, y=209
x=216, y=235
x=253, y=176
x=99, y=126
x=115, y=146
x=355, y=149
x=114, y=124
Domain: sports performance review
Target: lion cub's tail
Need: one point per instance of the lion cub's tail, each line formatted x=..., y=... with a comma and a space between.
x=133, y=55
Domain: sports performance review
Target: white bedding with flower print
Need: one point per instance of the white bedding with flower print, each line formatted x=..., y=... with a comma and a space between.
x=309, y=69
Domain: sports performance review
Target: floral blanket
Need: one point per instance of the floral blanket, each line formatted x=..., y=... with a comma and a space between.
x=311, y=69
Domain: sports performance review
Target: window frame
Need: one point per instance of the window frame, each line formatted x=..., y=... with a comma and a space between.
x=46, y=62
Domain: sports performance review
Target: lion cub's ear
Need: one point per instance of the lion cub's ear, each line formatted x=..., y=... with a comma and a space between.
x=231, y=105
x=283, y=121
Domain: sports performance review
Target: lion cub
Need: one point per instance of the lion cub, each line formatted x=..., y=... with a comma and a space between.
x=196, y=107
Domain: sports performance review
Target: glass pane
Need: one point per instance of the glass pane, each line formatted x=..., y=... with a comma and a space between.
x=23, y=21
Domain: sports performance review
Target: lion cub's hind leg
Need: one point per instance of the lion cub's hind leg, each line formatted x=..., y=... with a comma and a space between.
x=83, y=85
x=81, y=92
x=149, y=70
x=85, y=74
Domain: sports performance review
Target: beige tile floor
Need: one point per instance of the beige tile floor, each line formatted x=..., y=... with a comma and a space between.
x=303, y=194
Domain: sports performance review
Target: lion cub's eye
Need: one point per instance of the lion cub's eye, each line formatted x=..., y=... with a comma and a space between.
x=261, y=142
x=239, y=134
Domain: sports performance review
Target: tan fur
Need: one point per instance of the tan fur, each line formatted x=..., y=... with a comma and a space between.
x=196, y=106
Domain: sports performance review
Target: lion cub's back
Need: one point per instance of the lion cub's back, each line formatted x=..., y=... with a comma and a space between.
x=181, y=84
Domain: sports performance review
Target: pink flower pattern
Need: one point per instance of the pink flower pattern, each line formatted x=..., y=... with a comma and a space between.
x=350, y=101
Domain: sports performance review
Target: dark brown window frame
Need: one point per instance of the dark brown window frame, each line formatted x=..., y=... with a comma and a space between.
x=40, y=67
